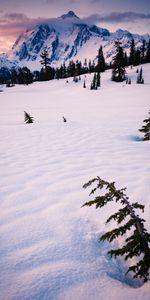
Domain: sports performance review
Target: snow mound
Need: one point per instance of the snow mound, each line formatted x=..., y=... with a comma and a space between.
x=49, y=245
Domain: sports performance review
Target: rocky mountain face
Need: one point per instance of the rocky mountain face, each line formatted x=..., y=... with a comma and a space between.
x=67, y=38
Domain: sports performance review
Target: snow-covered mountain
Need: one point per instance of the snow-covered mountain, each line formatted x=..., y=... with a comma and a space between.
x=67, y=37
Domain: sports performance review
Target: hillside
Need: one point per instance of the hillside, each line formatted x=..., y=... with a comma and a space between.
x=49, y=246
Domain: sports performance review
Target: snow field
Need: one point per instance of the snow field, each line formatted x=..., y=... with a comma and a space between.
x=49, y=245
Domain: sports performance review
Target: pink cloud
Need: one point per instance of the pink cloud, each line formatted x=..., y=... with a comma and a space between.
x=12, y=25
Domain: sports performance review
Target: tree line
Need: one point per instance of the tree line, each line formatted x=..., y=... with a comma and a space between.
x=24, y=75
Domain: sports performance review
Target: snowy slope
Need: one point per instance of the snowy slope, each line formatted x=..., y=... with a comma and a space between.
x=68, y=37
x=49, y=246
x=7, y=63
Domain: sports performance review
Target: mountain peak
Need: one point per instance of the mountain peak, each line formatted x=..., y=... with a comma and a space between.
x=70, y=14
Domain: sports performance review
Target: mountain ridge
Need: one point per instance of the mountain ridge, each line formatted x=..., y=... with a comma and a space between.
x=68, y=38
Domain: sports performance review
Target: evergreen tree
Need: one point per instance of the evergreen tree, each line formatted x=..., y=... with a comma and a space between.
x=20, y=76
x=61, y=71
x=84, y=85
x=27, y=118
x=132, y=52
x=78, y=67
x=140, y=78
x=137, y=244
x=101, y=66
x=45, y=62
x=36, y=76
x=148, y=52
x=125, y=59
x=57, y=74
x=85, y=67
x=118, y=71
x=146, y=129
x=27, y=76
x=64, y=119
x=14, y=76
x=42, y=75
x=71, y=69
x=90, y=66
x=64, y=71
x=137, y=58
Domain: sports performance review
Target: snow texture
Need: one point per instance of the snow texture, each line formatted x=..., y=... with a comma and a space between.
x=49, y=245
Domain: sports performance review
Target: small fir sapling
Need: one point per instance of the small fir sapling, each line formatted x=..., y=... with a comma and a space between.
x=84, y=85
x=146, y=129
x=64, y=119
x=27, y=118
x=136, y=244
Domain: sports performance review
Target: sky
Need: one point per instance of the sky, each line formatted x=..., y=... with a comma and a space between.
x=17, y=15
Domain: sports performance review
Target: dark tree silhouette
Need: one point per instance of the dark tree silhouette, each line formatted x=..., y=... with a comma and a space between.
x=64, y=119
x=137, y=244
x=132, y=52
x=101, y=66
x=27, y=118
x=118, y=71
x=148, y=52
x=140, y=78
x=146, y=129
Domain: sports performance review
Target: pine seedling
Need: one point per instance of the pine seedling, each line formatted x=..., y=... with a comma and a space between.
x=146, y=129
x=27, y=118
x=64, y=119
x=137, y=243
x=84, y=84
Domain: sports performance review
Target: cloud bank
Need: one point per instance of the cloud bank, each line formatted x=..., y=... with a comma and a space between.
x=13, y=24
x=116, y=17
